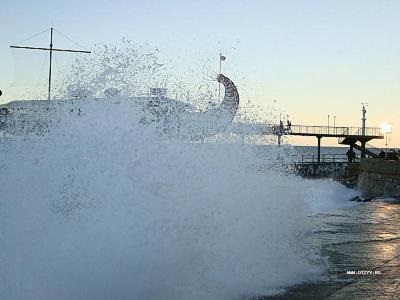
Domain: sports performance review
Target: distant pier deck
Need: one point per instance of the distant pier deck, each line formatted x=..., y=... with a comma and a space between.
x=346, y=136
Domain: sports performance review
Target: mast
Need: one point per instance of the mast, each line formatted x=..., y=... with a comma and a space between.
x=50, y=49
x=51, y=56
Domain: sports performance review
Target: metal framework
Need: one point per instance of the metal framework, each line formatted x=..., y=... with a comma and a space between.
x=50, y=49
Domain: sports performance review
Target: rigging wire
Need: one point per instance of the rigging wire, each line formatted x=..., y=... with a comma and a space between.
x=41, y=71
x=71, y=40
x=208, y=72
x=58, y=69
x=40, y=80
x=31, y=37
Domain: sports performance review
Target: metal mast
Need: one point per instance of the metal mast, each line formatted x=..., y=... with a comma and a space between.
x=50, y=49
x=51, y=56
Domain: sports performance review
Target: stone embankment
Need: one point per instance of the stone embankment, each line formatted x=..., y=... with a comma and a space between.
x=379, y=177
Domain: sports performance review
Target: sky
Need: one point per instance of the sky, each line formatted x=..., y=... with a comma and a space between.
x=309, y=59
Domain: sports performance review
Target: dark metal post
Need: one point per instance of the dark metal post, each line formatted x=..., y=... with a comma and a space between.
x=350, y=154
x=319, y=149
x=362, y=149
x=51, y=56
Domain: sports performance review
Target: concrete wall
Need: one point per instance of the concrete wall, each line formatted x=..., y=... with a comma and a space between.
x=379, y=177
x=324, y=170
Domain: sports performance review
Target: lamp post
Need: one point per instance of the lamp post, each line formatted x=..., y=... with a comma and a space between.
x=364, y=111
x=334, y=124
x=386, y=128
x=328, y=123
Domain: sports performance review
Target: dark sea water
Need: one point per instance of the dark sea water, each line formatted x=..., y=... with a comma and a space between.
x=324, y=150
x=361, y=245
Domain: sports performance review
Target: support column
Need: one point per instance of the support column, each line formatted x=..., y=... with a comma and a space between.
x=350, y=153
x=362, y=149
x=319, y=149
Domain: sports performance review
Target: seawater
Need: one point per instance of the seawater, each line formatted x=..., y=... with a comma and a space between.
x=361, y=246
x=101, y=207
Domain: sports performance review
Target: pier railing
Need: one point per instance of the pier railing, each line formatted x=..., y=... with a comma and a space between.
x=315, y=130
x=330, y=130
x=325, y=158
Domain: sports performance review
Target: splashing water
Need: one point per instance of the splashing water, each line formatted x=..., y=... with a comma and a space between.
x=132, y=70
x=100, y=208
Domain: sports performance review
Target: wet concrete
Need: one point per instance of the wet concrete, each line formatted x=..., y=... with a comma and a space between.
x=361, y=245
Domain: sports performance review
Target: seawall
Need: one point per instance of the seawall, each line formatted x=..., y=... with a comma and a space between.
x=379, y=177
x=334, y=170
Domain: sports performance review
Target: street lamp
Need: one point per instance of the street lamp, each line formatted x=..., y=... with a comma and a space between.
x=386, y=128
x=328, y=123
x=364, y=111
x=334, y=124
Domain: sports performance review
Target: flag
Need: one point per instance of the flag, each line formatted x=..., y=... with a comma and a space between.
x=222, y=58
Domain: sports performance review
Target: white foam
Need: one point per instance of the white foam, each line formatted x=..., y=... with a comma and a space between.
x=102, y=209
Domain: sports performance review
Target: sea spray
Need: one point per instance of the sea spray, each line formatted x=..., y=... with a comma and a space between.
x=101, y=208
x=96, y=204
x=129, y=69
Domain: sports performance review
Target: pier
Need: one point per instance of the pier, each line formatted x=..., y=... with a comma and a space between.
x=346, y=136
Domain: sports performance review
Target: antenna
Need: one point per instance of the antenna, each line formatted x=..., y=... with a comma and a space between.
x=50, y=49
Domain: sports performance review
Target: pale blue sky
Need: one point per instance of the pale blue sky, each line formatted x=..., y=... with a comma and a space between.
x=315, y=57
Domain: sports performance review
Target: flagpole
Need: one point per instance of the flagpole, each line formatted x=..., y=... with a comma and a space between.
x=51, y=55
x=219, y=83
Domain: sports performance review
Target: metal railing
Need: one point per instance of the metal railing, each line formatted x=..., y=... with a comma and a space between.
x=315, y=130
x=324, y=158
x=329, y=130
x=372, y=147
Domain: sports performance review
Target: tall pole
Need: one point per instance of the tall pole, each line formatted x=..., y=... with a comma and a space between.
x=364, y=111
x=319, y=149
x=386, y=140
x=334, y=124
x=328, y=123
x=51, y=56
x=219, y=83
x=363, y=129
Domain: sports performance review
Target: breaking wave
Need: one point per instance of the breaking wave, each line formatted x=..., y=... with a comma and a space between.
x=100, y=207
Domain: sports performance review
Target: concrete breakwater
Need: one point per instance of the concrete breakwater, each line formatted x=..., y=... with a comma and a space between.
x=334, y=170
x=379, y=177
